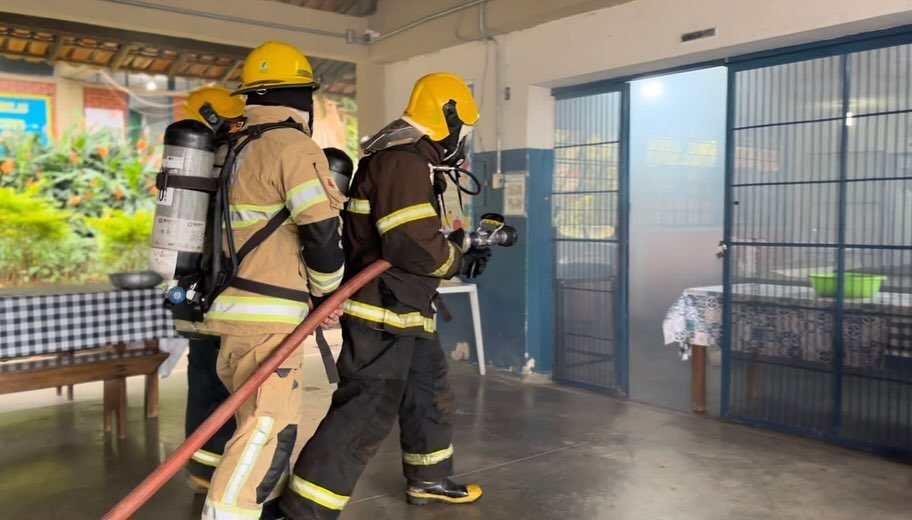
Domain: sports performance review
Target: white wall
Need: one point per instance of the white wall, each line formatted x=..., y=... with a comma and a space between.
x=634, y=37
x=501, y=17
x=210, y=24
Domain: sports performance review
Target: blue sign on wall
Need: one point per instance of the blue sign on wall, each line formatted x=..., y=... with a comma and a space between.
x=25, y=113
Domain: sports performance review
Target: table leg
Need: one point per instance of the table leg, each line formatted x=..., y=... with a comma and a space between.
x=67, y=354
x=72, y=354
x=122, y=408
x=476, y=324
x=151, y=399
x=109, y=403
x=151, y=395
x=753, y=382
x=698, y=378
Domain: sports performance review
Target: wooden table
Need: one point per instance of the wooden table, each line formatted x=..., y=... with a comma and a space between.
x=61, y=336
x=694, y=322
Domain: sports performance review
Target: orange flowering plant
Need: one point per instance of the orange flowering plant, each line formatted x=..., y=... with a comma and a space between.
x=84, y=171
x=102, y=182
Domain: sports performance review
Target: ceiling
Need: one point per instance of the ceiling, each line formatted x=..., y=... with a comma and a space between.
x=349, y=7
x=56, y=41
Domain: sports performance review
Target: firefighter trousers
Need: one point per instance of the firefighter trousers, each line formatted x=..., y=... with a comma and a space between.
x=205, y=392
x=382, y=376
x=257, y=458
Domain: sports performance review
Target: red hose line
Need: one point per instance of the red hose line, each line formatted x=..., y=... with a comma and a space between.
x=144, y=491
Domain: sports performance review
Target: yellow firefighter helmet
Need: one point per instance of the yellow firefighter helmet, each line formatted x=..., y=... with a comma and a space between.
x=220, y=99
x=429, y=97
x=275, y=65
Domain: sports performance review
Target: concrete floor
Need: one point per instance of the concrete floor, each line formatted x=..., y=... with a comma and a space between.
x=540, y=451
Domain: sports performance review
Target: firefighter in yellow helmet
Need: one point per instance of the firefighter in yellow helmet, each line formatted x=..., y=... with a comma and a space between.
x=391, y=365
x=224, y=113
x=216, y=107
x=284, y=211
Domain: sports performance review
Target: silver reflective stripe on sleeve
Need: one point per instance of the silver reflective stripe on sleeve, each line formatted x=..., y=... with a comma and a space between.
x=246, y=215
x=325, y=282
x=304, y=196
x=404, y=216
x=445, y=267
x=359, y=206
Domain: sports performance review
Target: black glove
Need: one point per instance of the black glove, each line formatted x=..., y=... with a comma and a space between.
x=317, y=300
x=474, y=262
x=459, y=238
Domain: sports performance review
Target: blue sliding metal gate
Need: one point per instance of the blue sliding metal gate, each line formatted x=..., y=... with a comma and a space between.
x=819, y=186
x=589, y=245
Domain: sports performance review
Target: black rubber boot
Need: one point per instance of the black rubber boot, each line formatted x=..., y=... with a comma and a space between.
x=444, y=491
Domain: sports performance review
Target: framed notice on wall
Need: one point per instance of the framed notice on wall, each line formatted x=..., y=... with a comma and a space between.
x=514, y=190
x=25, y=113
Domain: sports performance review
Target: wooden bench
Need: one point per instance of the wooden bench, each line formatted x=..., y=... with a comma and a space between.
x=113, y=365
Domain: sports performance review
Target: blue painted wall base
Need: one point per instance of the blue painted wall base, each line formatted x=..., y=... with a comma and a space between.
x=514, y=291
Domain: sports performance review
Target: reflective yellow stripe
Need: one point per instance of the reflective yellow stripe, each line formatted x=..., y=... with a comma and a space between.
x=246, y=215
x=443, y=269
x=428, y=459
x=388, y=317
x=359, y=206
x=258, y=439
x=304, y=196
x=404, y=216
x=207, y=458
x=192, y=326
x=257, y=309
x=320, y=495
x=213, y=510
x=324, y=282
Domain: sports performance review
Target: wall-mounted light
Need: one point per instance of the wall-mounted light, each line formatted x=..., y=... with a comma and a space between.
x=653, y=89
x=151, y=85
x=850, y=119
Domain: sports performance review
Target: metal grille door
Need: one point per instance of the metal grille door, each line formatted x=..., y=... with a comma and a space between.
x=588, y=246
x=818, y=316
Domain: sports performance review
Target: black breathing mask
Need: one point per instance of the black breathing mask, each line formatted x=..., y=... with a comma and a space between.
x=454, y=143
x=454, y=155
x=297, y=97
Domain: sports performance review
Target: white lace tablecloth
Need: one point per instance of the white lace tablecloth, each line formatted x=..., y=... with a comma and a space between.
x=791, y=322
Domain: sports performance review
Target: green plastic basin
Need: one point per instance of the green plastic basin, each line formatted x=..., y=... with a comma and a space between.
x=857, y=285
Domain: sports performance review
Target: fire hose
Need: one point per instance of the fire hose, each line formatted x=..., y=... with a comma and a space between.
x=144, y=491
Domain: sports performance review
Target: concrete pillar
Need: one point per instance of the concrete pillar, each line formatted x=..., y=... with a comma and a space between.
x=371, y=97
x=70, y=104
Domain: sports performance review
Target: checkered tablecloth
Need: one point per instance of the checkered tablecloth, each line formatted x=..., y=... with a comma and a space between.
x=33, y=324
x=793, y=328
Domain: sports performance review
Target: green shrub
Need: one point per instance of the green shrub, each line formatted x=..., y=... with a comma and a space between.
x=123, y=240
x=76, y=207
x=85, y=172
x=36, y=239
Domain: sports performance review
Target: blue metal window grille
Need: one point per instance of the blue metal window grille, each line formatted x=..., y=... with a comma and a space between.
x=589, y=240
x=819, y=191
